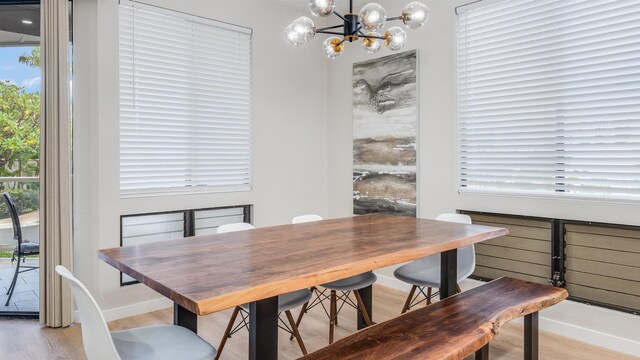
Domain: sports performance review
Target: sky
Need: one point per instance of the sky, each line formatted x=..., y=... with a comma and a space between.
x=17, y=73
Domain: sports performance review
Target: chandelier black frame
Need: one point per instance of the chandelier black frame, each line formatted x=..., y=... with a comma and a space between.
x=352, y=29
x=365, y=24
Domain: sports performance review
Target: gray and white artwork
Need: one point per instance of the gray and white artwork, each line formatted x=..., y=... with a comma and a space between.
x=385, y=113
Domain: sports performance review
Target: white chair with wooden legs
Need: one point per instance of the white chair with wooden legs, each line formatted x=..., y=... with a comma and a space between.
x=425, y=273
x=344, y=286
x=162, y=342
x=286, y=302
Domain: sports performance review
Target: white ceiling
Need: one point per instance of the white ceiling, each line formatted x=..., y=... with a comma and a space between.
x=296, y=4
x=15, y=39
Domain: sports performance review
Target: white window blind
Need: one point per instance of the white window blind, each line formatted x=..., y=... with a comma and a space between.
x=549, y=98
x=185, y=103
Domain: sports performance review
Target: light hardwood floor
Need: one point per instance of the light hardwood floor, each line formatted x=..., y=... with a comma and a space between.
x=25, y=339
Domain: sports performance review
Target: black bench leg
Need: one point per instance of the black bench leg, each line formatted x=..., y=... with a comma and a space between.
x=483, y=353
x=185, y=318
x=531, y=336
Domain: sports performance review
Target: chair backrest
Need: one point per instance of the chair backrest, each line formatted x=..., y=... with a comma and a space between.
x=15, y=218
x=234, y=227
x=467, y=254
x=96, y=337
x=458, y=218
x=306, y=218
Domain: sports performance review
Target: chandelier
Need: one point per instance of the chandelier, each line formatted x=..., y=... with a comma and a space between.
x=367, y=25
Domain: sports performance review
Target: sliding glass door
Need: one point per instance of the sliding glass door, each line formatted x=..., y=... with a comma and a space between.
x=19, y=156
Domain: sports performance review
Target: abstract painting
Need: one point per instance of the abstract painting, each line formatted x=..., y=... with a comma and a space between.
x=385, y=121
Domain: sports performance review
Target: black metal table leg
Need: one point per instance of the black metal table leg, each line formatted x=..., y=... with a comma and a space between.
x=448, y=273
x=185, y=318
x=263, y=329
x=483, y=353
x=531, y=336
x=367, y=295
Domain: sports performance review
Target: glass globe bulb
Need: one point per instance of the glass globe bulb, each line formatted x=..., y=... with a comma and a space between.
x=372, y=45
x=333, y=47
x=395, y=38
x=415, y=15
x=322, y=7
x=300, y=31
x=373, y=16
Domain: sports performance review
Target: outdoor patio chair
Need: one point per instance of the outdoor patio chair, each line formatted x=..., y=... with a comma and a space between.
x=22, y=250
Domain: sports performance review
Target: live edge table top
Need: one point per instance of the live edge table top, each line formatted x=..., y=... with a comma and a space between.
x=210, y=273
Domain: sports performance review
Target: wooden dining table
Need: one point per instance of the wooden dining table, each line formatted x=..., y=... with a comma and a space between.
x=206, y=274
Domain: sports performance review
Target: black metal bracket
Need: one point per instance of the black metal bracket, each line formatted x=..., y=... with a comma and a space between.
x=351, y=27
x=185, y=318
x=483, y=353
x=558, y=254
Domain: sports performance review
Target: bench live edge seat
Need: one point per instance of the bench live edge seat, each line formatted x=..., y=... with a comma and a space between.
x=453, y=328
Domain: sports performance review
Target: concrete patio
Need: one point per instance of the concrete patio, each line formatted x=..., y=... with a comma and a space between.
x=26, y=295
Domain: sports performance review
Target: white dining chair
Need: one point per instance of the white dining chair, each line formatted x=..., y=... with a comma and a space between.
x=162, y=342
x=306, y=218
x=345, y=286
x=227, y=228
x=286, y=302
x=425, y=273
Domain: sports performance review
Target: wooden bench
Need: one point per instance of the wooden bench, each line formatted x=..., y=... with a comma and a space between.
x=453, y=328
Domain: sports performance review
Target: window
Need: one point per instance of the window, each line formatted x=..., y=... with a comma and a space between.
x=185, y=103
x=149, y=228
x=549, y=98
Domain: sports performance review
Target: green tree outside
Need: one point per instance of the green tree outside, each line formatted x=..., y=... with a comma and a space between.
x=20, y=131
x=32, y=60
x=20, y=140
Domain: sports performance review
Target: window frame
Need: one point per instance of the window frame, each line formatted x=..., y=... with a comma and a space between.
x=188, y=224
x=191, y=189
x=557, y=194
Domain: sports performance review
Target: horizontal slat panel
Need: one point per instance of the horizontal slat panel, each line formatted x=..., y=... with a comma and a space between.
x=214, y=213
x=214, y=222
x=529, y=244
x=513, y=265
x=208, y=221
x=604, y=282
x=528, y=232
x=525, y=253
x=490, y=273
x=524, y=256
x=604, y=269
x=603, y=230
x=604, y=296
x=604, y=242
x=603, y=263
x=509, y=220
x=603, y=255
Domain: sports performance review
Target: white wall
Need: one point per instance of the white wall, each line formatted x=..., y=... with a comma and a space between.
x=437, y=173
x=289, y=136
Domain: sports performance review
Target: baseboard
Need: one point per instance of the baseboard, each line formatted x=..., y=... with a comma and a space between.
x=614, y=330
x=132, y=310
